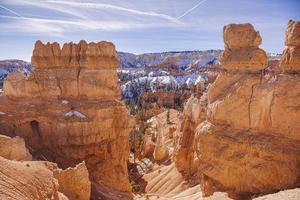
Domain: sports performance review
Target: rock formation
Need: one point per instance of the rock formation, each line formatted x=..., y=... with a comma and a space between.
x=34, y=180
x=247, y=139
x=241, y=49
x=250, y=143
x=27, y=180
x=193, y=114
x=13, y=148
x=69, y=110
x=290, y=61
x=74, y=182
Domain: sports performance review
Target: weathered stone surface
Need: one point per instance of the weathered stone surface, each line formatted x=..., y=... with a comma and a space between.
x=249, y=143
x=246, y=60
x=241, y=49
x=245, y=162
x=238, y=36
x=292, y=34
x=290, y=60
x=74, y=182
x=69, y=110
x=28, y=181
x=14, y=148
x=161, y=151
x=184, y=154
x=83, y=55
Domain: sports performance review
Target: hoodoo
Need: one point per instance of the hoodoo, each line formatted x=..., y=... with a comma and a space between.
x=250, y=142
x=243, y=136
x=69, y=110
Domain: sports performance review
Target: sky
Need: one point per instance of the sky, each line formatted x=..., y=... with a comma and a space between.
x=139, y=26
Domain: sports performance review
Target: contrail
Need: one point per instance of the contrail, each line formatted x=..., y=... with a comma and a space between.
x=11, y=11
x=114, y=7
x=190, y=10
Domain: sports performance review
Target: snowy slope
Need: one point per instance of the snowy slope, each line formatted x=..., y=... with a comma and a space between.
x=180, y=59
x=8, y=66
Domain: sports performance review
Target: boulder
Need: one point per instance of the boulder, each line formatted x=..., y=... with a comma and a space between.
x=161, y=153
x=238, y=36
x=14, y=148
x=242, y=52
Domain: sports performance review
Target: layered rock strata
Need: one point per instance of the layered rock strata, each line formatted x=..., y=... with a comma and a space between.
x=34, y=180
x=27, y=180
x=250, y=143
x=69, y=110
x=241, y=49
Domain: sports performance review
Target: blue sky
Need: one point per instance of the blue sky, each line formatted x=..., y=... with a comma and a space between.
x=139, y=26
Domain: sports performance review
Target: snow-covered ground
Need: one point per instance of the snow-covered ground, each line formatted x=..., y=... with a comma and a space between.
x=8, y=66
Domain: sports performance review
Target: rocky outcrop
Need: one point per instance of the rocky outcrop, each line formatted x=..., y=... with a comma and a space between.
x=27, y=180
x=69, y=110
x=74, y=182
x=35, y=180
x=184, y=154
x=14, y=148
x=290, y=61
x=250, y=143
x=241, y=49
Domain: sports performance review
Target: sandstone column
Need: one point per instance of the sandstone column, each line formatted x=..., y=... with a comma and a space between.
x=250, y=143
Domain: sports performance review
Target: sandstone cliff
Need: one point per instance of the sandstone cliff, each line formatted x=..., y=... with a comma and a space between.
x=69, y=110
x=248, y=141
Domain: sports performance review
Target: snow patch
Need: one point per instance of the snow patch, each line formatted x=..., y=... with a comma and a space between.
x=74, y=113
x=64, y=101
x=2, y=113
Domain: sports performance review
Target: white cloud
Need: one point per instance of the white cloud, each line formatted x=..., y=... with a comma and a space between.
x=81, y=16
x=45, y=5
x=92, y=20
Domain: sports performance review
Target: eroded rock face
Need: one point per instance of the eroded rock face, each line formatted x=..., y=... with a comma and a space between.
x=290, y=61
x=250, y=142
x=69, y=110
x=74, y=182
x=241, y=49
x=13, y=148
x=27, y=180
x=184, y=154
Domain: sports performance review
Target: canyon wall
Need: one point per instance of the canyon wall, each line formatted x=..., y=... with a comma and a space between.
x=69, y=110
x=249, y=143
